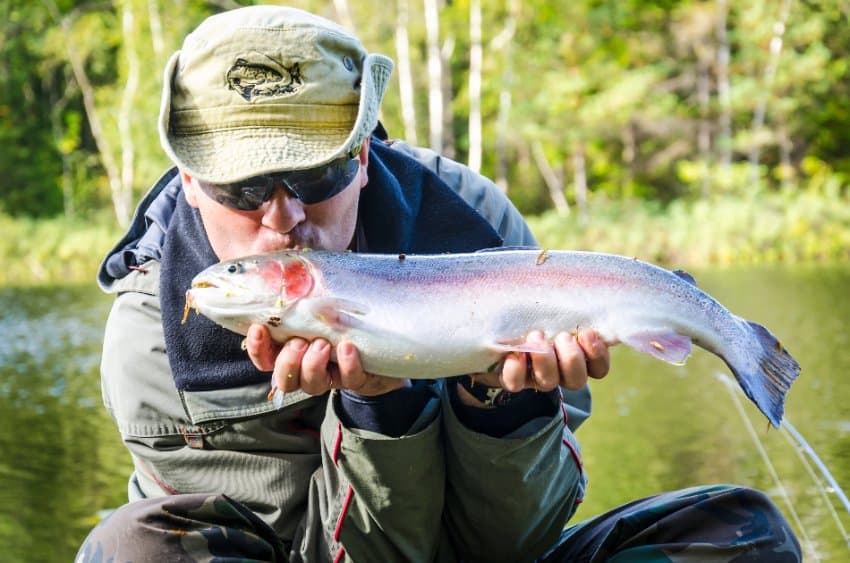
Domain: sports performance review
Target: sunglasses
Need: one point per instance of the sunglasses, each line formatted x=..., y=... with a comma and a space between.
x=310, y=186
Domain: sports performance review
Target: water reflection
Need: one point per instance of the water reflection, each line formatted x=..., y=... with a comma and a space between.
x=655, y=427
x=60, y=458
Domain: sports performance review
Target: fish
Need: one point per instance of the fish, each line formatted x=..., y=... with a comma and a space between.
x=428, y=316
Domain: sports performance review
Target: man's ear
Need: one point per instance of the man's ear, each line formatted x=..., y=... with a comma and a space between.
x=190, y=189
x=364, y=162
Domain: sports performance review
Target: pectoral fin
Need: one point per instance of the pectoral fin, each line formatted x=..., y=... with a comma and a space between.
x=668, y=346
x=520, y=345
x=338, y=313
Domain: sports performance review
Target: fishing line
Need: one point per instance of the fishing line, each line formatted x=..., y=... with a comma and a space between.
x=804, y=446
x=770, y=467
x=800, y=445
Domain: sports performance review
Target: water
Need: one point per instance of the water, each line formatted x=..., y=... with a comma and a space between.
x=61, y=460
x=655, y=427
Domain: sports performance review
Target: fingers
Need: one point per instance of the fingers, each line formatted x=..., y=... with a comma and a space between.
x=544, y=365
x=596, y=353
x=571, y=361
x=261, y=348
x=315, y=376
x=514, y=372
x=353, y=377
x=287, y=365
x=307, y=366
x=568, y=362
x=351, y=374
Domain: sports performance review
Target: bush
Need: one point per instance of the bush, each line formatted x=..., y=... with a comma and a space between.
x=55, y=250
x=798, y=226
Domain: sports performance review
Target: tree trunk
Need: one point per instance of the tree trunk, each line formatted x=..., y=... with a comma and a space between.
x=435, y=82
x=448, y=95
x=475, y=63
x=504, y=41
x=57, y=109
x=156, y=32
x=125, y=113
x=629, y=154
x=786, y=146
x=769, y=75
x=113, y=173
x=580, y=180
x=724, y=135
x=554, y=182
x=405, y=78
x=704, y=126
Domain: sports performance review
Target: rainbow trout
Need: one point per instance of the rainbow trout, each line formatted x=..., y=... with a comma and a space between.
x=431, y=316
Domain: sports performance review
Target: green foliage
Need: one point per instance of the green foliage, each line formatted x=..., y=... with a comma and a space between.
x=633, y=87
x=29, y=164
x=54, y=250
x=790, y=226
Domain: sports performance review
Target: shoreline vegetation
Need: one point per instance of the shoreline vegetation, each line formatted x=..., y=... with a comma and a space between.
x=766, y=228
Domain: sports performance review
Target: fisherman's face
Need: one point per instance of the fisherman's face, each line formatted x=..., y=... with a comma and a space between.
x=282, y=223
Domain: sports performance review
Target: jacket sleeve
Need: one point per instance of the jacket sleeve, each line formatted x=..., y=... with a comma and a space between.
x=385, y=494
x=508, y=498
x=478, y=191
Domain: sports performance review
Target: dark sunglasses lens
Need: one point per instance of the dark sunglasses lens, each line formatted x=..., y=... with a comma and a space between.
x=245, y=196
x=319, y=184
x=310, y=186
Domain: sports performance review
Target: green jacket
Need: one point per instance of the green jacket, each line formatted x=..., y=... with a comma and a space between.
x=441, y=492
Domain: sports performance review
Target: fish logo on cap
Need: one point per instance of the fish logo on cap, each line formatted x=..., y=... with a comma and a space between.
x=265, y=79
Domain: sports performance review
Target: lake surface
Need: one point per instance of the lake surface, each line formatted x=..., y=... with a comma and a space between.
x=655, y=427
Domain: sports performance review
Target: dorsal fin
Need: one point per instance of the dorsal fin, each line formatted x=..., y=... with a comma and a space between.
x=685, y=276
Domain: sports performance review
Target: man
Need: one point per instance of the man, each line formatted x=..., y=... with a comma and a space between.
x=270, y=115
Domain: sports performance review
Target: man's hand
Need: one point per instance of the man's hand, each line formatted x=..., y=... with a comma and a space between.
x=567, y=362
x=304, y=365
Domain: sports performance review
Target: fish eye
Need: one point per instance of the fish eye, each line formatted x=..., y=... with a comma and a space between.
x=236, y=268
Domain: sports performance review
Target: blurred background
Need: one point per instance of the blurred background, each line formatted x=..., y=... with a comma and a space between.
x=707, y=134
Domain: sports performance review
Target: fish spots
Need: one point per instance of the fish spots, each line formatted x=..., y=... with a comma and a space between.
x=273, y=321
x=402, y=257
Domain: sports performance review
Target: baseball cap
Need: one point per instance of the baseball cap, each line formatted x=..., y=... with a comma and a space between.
x=264, y=89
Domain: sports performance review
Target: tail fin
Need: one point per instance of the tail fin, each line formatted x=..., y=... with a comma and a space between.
x=769, y=376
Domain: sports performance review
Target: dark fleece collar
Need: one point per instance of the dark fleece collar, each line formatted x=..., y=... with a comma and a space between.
x=405, y=208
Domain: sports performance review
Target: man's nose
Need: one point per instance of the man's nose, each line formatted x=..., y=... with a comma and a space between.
x=284, y=210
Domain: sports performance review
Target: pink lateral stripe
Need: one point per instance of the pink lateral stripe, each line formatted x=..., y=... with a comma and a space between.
x=337, y=443
x=564, y=410
x=579, y=501
x=346, y=503
x=575, y=454
x=339, y=555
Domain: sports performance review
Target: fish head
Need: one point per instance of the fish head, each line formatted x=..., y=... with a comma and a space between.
x=237, y=293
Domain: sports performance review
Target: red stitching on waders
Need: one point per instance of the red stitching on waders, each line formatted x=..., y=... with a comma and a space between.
x=345, y=504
